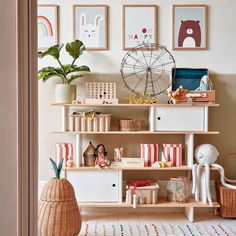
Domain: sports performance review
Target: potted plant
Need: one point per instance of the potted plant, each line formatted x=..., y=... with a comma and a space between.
x=65, y=92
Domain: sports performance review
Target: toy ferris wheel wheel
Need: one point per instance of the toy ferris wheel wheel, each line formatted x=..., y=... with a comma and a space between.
x=148, y=69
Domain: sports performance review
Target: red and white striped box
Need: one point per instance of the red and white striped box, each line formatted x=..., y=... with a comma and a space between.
x=63, y=150
x=172, y=153
x=149, y=152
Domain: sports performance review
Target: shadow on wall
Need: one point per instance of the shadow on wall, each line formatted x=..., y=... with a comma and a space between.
x=223, y=119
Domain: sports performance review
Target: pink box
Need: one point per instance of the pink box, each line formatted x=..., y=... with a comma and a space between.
x=172, y=153
x=63, y=150
x=149, y=152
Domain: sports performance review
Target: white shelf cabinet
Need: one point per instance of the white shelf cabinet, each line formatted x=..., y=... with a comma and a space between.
x=103, y=188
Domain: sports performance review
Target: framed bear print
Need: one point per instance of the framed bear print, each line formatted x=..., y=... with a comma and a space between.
x=189, y=27
x=90, y=26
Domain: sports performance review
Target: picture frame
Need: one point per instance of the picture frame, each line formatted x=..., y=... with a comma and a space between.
x=48, y=25
x=189, y=27
x=141, y=30
x=90, y=25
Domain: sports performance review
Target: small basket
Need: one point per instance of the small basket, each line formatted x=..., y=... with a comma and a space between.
x=130, y=125
x=226, y=197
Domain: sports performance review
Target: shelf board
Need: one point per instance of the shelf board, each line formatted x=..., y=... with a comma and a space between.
x=134, y=132
x=179, y=168
x=162, y=202
x=138, y=105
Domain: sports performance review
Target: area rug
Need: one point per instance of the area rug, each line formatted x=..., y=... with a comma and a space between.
x=156, y=229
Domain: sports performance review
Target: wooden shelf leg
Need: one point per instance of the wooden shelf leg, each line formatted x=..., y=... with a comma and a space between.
x=65, y=118
x=78, y=150
x=189, y=212
x=189, y=142
x=152, y=118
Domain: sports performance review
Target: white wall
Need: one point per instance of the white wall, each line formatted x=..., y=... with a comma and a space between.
x=219, y=58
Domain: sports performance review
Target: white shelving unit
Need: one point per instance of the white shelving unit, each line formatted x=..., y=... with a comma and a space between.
x=191, y=120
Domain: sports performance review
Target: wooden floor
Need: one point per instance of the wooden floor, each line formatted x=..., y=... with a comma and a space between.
x=99, y=224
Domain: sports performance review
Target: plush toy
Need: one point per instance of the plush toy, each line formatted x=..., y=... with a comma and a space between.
x=100, y=154
x=178, y=93
x=205, y=83
x=206, y=155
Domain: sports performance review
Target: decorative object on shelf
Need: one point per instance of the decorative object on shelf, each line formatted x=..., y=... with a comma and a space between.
x=150, y=73
x=178, y=190
x=130, y=125
x=91, y=25
x=65, y=92
x=58, y=210
x=63, y=151
x=70, y=163
x=89, y=158
x=227, y=196
x=101, y=93
x=132, y=162
x=141, y=99
x=189, y=29
x=172, y=153
x=197, y=81
x=118, y=154
x=149, y=153
x=206, y=155
x=100, y=154
x=143, y=192
x=48, y=33
x=139, y=32
x=162, y=164
x=90, y=121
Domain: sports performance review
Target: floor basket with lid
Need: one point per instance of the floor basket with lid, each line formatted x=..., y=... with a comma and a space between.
x=59, y=213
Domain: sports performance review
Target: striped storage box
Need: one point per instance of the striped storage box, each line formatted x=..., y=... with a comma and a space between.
x=63, y=150
x=149, y=152
x=172, y=153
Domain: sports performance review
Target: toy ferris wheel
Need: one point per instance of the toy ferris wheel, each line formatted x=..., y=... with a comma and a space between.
x=148, y=69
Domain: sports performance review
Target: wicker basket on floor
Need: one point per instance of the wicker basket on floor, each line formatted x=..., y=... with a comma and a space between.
x=226, y=197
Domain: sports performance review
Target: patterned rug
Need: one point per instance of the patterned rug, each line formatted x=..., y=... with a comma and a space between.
x=158, y=229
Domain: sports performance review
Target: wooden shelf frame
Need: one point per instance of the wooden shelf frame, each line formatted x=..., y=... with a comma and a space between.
x=162, y=202
x=137, y=105
x=134, y=132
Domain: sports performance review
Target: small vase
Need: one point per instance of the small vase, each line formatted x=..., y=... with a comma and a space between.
x=65, y=93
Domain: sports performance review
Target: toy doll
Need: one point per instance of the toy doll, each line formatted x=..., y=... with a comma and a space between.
x=100, y=154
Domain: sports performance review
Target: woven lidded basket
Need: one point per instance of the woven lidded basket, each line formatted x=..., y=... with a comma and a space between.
x=226, y=197
x=130, y=125
x=58, y=211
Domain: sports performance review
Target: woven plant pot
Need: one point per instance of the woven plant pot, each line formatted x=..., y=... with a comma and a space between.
x=59, y=213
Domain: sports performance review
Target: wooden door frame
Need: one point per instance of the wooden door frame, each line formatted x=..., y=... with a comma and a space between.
x=27, y=118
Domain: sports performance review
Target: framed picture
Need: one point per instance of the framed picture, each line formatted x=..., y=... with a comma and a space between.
x=139, y=25
x=189, y=29
x=91, y=26
x=47, y=26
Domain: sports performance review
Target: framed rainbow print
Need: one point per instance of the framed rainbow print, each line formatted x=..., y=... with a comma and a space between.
x=47, y=26
x=189, y=27
x=139, y=25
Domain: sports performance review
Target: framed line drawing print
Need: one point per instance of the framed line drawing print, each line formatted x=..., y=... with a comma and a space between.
x=189, y=27
x=91, y=26
x=47, y=26
x=139, y=25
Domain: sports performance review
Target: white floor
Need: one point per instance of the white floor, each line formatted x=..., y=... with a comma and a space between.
x=152, y=224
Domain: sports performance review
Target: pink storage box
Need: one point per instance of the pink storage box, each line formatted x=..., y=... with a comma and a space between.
x=149, y=152
x=172, y=153
x=63, y=150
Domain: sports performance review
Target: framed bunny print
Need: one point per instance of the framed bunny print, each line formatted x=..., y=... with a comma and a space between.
x=90, y=26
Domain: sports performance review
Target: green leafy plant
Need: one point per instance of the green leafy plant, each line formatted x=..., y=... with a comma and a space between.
x=57, y=169
x=65, y=71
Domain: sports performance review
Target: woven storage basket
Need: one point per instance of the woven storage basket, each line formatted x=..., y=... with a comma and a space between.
x=130, y=125
x=226, y=197
x=58, y=211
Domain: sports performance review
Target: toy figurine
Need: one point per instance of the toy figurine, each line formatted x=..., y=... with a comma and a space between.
x=176, y=95
x=100, y=154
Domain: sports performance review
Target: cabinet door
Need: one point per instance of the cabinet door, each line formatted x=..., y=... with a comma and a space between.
x=179, y=119
x=95, y=185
